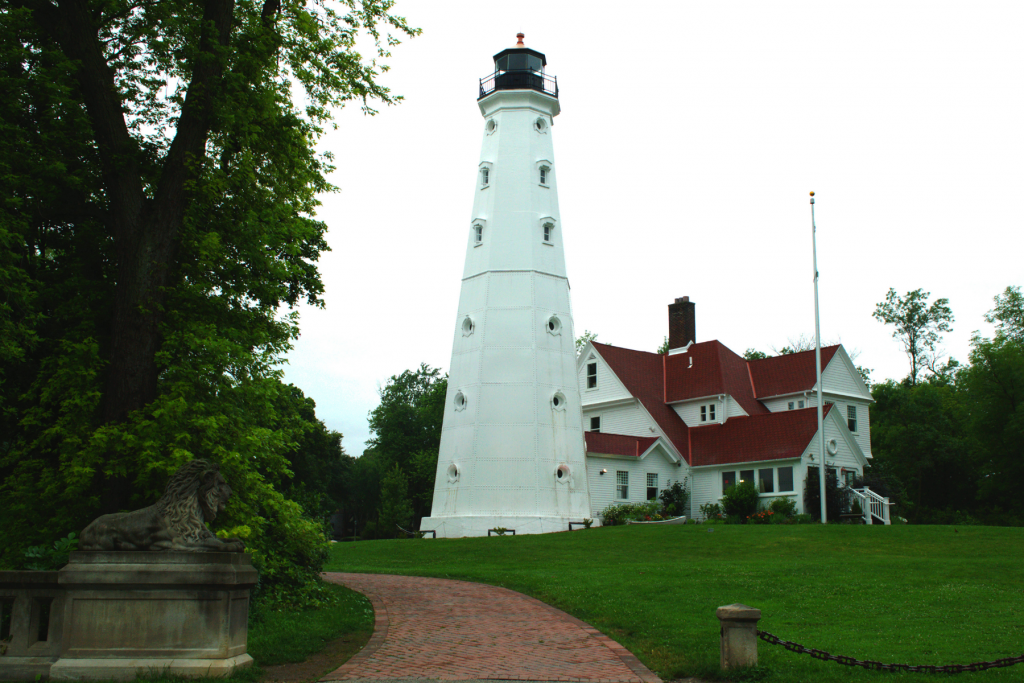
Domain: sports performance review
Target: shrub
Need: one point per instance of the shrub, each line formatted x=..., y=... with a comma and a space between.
x=740, y=500
x=711, y=511
x=675, y=500
x=45, y=558
x=783, y=507
x=803, y=518
x=620, y=513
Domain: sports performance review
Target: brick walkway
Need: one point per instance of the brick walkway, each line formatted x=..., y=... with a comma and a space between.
x=459, y=631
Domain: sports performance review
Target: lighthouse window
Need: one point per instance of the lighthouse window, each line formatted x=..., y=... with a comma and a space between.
x=478, y=234
x=554, y=325
x=549, y=229
x=558, y=401
x=484, y=177
x=544, y=171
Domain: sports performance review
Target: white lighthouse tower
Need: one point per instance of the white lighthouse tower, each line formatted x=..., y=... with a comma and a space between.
x=512, y=449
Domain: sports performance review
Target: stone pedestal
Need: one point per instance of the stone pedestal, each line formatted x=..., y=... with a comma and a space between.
x=33, y=603
x=129, y=613
x=739, y=635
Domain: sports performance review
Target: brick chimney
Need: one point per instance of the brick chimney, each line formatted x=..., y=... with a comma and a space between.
x=682, y=325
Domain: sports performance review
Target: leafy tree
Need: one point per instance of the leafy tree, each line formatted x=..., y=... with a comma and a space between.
x=995, y=393
x=1008, y=315
x=159, y=185
x=754, y=354
x=584, y=339
x=395, y=508
x=920, y=438
x=405, y=430
x=917, y=326
x=664, y=347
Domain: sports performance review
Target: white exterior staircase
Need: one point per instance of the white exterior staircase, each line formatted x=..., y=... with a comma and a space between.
x=874, y=506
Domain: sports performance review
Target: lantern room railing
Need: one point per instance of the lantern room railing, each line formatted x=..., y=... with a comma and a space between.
x=526, y=79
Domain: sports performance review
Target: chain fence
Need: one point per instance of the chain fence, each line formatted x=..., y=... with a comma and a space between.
x=879, y=666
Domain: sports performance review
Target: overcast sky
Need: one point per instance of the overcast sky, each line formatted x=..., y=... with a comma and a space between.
x=689, y=138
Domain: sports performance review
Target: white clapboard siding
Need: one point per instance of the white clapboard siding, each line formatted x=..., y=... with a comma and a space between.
x=841, y=377
x=631, y=420
x=689, y=411
x=603, y=486
x=608, y=388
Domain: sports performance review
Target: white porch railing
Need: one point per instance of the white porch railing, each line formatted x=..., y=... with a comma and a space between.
x=872, y=505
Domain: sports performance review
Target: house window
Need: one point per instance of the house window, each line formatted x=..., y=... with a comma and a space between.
x=478, y=234
x=544, y=171
x=785, y=479
x=595, y=424
x=766, y=480
x=851, y=418
x=711, y=412
x=728, y=479
x=747, y=475
x=652, y=486
x=799, y=404
x=622, y=485
x=848, y=477
x=791, y=405
x=703, y=413
x=591, y=375
x=549, y=230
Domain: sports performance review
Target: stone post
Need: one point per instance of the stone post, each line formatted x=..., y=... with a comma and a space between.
x=739, y=635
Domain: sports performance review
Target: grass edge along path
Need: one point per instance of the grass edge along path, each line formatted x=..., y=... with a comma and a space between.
x=907, y=594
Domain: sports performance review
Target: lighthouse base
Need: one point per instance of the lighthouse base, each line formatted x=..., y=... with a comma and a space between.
x=461, y=527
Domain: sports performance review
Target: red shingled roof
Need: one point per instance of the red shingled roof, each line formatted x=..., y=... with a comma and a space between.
x=707, y=369
x=641, y=373
x=789, y=373
x=775, y=436
x=618, y=444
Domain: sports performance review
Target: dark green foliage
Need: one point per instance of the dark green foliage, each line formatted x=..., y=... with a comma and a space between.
x=754, y=354
x=784, y=507
x=395, y=508
x=812, y=494
x=49, y=558
x=675, y=499
x=157, y=194
x=740, y=501
x=620, y=513
x=405, y=431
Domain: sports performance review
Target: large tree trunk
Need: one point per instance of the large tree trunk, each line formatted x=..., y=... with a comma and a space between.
x=144, y=231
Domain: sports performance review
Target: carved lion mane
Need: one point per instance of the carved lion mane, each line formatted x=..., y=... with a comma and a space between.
x=194, y=495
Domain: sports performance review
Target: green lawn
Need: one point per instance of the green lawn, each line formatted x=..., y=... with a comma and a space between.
x=286, y=636
x=912, y=594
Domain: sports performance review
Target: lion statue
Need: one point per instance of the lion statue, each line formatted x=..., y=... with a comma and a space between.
x=194, y=495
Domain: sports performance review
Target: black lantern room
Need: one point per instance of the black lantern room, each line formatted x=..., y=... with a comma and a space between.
x=519, y=68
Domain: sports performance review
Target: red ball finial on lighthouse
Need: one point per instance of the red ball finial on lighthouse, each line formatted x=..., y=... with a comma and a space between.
x=520, y=36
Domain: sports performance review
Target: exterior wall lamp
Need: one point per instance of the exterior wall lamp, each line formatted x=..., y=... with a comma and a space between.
x=604, y=472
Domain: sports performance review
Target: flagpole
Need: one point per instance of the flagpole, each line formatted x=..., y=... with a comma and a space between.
x=822, y=470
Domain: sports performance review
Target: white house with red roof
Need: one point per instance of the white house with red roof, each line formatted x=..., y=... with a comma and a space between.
x=701, y=412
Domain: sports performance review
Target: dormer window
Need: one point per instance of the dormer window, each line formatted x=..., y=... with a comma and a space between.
x=707, y=413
